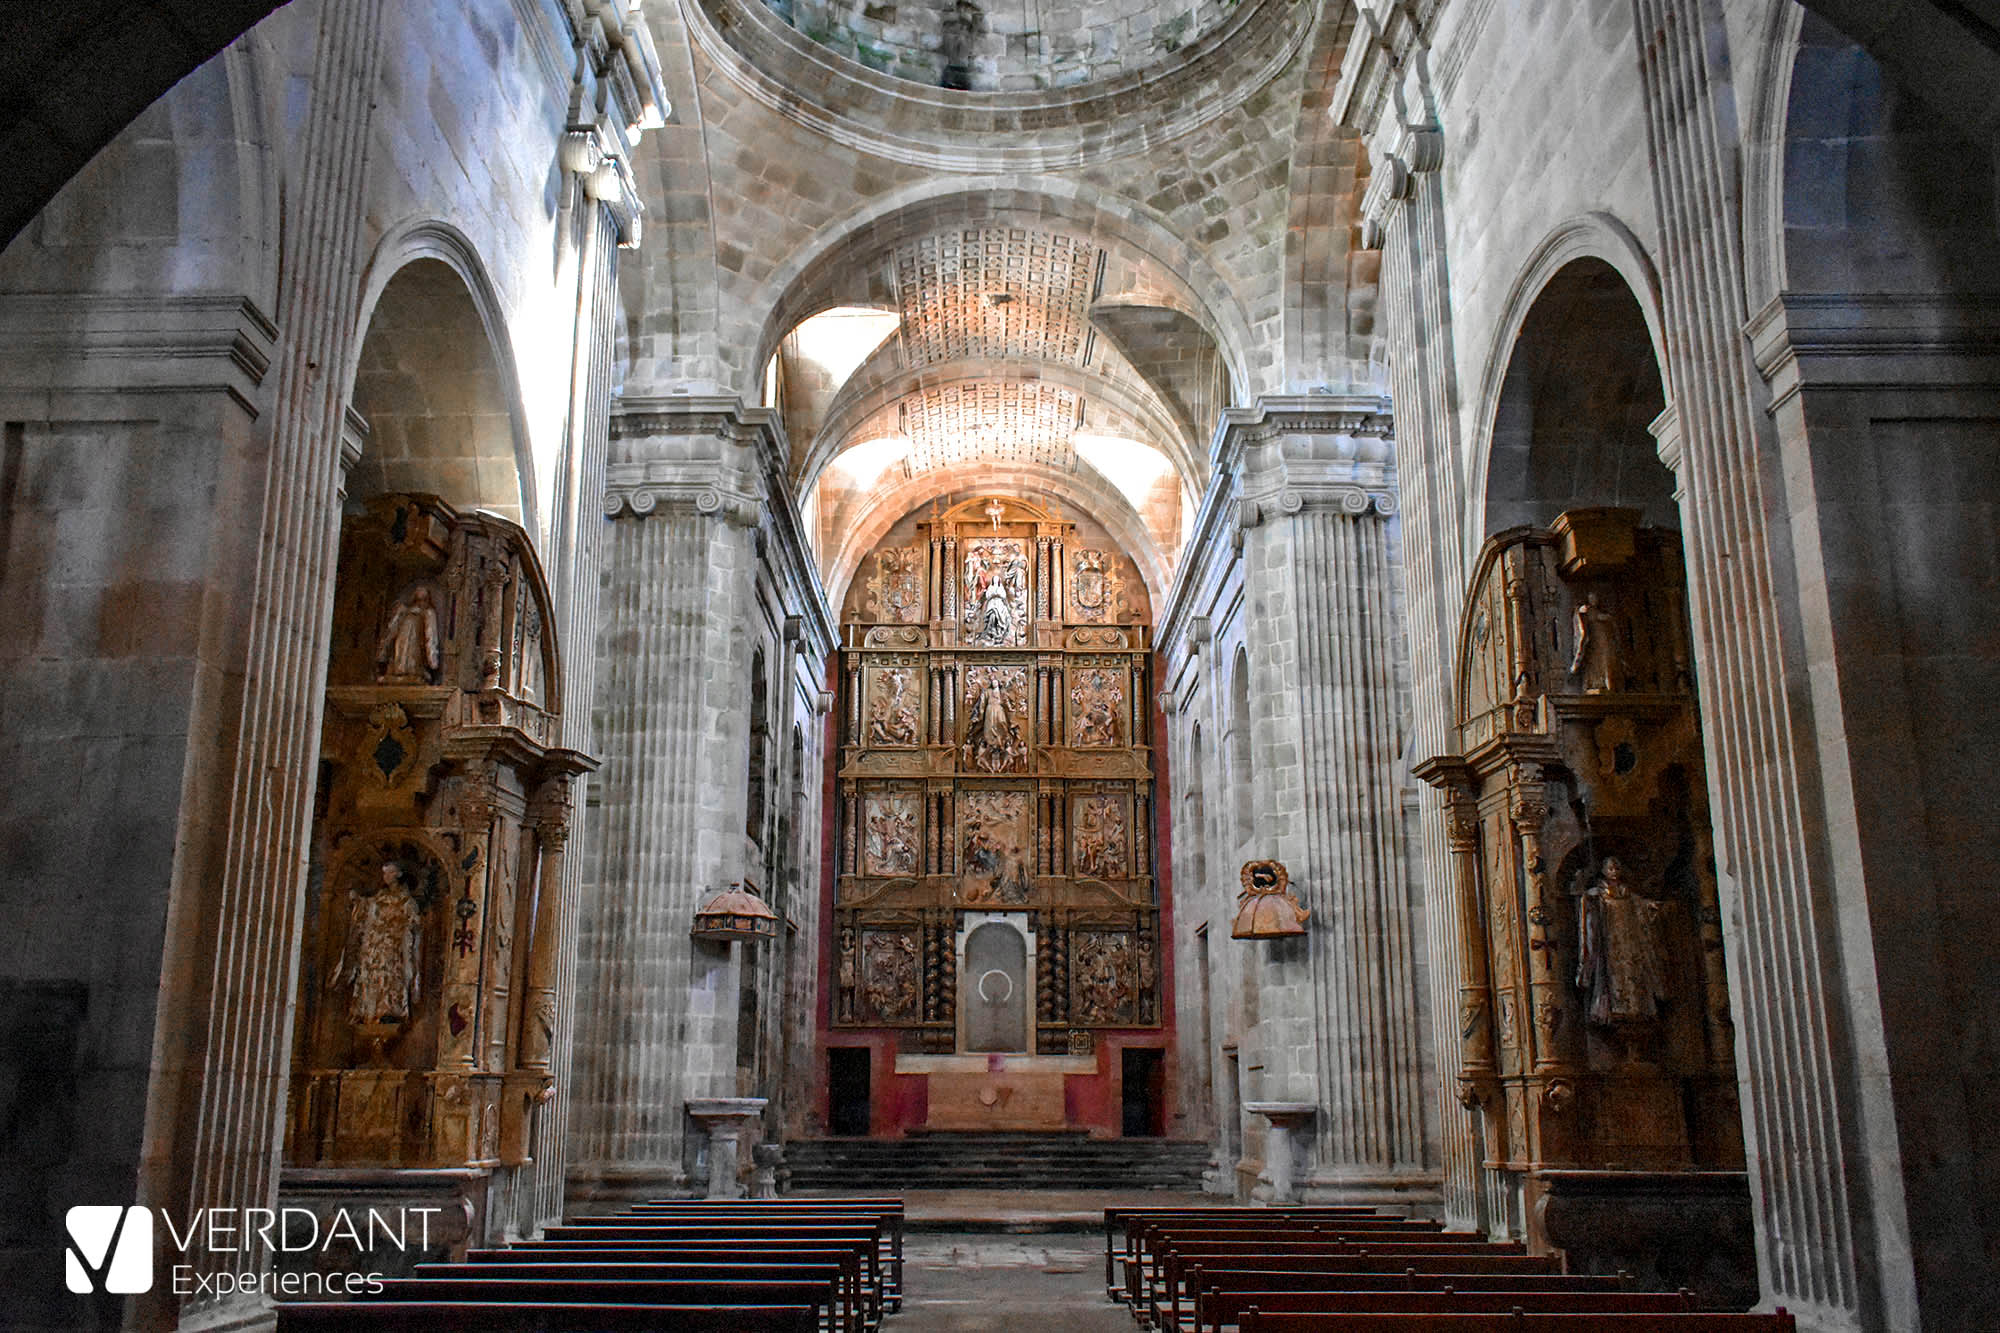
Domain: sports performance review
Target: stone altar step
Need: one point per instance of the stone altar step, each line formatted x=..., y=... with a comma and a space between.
x=995, y=1161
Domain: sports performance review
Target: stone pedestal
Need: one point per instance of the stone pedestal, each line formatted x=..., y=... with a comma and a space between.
x=1290, y=1122
x=724, y=1120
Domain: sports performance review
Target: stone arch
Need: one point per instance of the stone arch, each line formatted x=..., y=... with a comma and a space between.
x=1597, y=261
x=433, y=377
x=874, y=388
x=809, y=280
x=891, y=503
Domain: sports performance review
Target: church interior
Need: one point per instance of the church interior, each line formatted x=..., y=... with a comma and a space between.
x=1373, y=607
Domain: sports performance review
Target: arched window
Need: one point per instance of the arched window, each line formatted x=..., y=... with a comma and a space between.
x=1242, y=802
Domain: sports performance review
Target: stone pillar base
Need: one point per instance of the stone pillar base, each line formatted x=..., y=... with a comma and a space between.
x=1411, y=1193
x=597, y=1191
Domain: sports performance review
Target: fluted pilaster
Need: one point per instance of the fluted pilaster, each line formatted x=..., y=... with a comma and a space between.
x=246, y=928
x=1799, y=1135
x=1341, y=1023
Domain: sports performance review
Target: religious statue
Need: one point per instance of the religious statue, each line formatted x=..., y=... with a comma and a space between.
x=996, y=591
x=892, y=836
x=1104, y=982
x=1100, y=838
x=379, y=963
x=1621, y=963
x=1596, y=661
x=993, y=740
x=408, y=651
x=1095, y=702
x=893, y=719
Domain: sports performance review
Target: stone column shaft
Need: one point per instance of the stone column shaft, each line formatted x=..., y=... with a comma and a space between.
x=1798, y=1129
x=1406, y=201
x=224, y=1146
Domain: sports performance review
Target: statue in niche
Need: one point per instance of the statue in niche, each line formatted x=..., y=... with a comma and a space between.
x=1095, y=704
x=892, y=717
x=408, y=651
x=996, y=592
x=379, y=963
x=1100, y=837
x=993, y=740
x=850, y=975
x=1596, y=662
x=1621, y=963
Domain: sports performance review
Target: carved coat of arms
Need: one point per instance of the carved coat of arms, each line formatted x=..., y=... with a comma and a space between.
x=1093, y=587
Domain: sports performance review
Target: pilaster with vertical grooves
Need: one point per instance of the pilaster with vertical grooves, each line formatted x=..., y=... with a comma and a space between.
x=1416, y=309
x=1779, y=962
x=252, y=928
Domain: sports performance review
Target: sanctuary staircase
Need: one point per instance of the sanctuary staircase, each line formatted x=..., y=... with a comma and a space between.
x=944, y=1160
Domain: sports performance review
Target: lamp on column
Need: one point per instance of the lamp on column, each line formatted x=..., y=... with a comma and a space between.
x=737, y=913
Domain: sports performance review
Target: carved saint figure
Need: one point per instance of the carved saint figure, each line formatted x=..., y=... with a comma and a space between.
x=408, y=652
x=1100, y=837
x=1095, y=705
x=1621, y=963
x=892, y=836
x=379, y=963
x=893, y=718
x=996, y=591
x=993, y=738
x=1596, y=661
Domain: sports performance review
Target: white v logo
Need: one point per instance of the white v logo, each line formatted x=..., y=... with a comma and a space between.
x=110, y=1249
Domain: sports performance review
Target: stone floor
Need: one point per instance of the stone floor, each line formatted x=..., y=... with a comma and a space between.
x=986, y=1283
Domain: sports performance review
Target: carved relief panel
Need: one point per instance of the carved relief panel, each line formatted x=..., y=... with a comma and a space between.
x=994, y=761
x=428, y=975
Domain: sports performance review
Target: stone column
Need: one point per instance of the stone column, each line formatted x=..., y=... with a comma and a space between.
x=602, y=217
x=656, y=1009
x=1340, y=1021
x=1405, y=212
x=1809, y=1153
x=232, y=956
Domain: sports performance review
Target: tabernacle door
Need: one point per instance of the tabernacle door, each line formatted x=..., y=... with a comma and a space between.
x=995, y=963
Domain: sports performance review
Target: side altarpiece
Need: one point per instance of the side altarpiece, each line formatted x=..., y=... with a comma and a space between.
x=428, y=981
x=1594, y=1027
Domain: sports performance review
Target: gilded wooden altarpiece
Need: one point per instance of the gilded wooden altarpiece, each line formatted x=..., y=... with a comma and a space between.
x=428, y=981
x=994, y=759
x=1593, y=1022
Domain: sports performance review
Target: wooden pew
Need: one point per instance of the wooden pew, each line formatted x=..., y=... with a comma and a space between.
x=480, y=1317
x=1117, y=1220
x=1143, y=1235
x=1163, y=1242
x=842, y=1275
x=1204, y=1282
x=1257, y=1321
x=858, y=1252
x=1180, y=1261
x=1216, y=1310
x=887, y=1207
x=534, y=1290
